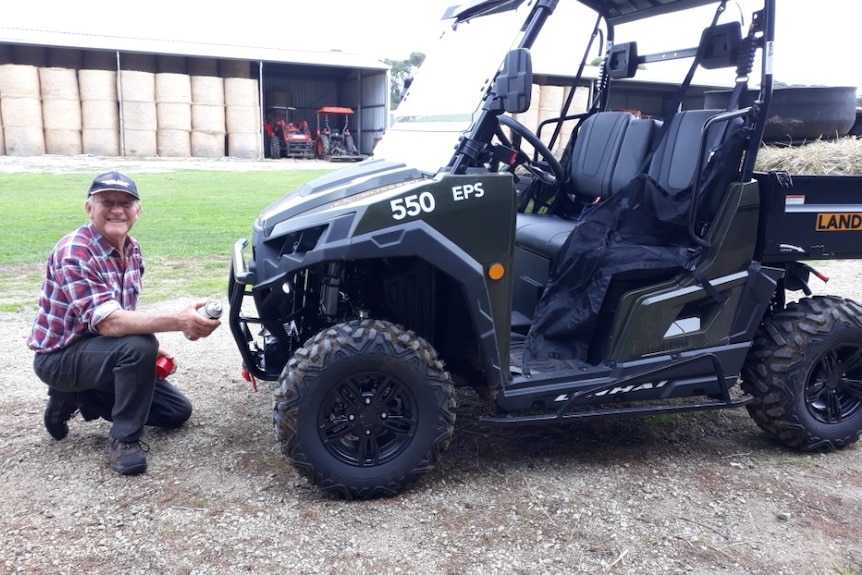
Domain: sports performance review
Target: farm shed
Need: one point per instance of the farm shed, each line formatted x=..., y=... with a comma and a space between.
x=64, y=93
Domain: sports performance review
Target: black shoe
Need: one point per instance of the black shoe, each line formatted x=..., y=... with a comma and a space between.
x=128, y=457
x=60, y=409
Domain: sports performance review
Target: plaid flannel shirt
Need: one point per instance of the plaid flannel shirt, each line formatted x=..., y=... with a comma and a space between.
x=84, y=283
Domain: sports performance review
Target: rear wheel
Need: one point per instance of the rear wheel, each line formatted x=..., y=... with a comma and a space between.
x=805, y=373
x=364, y=409
x=275, y=147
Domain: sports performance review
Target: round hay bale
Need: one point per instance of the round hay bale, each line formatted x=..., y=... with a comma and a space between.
x=138, y=62
x=21, y=112
x=100, y=115
x=207, y=144
x=63, y=142
x=208, y=118
x=207, y=90
x=203, y=67
x=58, y=84
x=61, y=114
x=97, y=85
x=140, y=143
x=242, y=119
x=100, y=60
x=139, y=115
x=137, y=86
x=100, y=142
x=244, y=146
x=240, y=92
x=171, y=64
x=24, y=140
x=174, y=116
x=173, y=88
x=19, y=81
x=30, y=55
x=174, y=143
x=65, y=58
x=550, y=102
x=234, y=68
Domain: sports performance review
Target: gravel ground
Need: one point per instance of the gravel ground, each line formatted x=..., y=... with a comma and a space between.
x=697, y=493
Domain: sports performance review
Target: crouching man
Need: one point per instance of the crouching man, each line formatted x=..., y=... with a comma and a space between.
x=93, y=350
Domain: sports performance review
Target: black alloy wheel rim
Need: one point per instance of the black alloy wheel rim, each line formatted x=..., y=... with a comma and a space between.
x=367, y=419
x=834, y=390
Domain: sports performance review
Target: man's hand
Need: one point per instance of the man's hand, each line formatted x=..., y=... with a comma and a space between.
x=196, y=325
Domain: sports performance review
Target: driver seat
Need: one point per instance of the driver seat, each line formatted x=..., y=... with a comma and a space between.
x=610, y=149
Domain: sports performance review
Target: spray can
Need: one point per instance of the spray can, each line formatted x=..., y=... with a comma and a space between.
x=212, y=310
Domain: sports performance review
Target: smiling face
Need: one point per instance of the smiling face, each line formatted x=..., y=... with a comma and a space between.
x=113, y=214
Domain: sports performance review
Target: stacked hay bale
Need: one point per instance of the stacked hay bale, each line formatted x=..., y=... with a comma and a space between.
x=242, y=111
x=207, y=109
x=61, y=111
x=100, y=112
x=21, y=110
x=137, y=97
x=174, y=114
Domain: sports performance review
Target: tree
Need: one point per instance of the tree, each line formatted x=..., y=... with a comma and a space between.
x=400, y=71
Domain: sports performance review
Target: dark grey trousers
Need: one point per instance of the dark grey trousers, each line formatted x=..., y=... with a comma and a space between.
x=115, y=378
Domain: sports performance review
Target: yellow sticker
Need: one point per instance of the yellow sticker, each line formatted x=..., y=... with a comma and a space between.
x=839, y=222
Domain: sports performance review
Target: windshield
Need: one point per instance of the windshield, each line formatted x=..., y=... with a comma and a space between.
x=445, y=96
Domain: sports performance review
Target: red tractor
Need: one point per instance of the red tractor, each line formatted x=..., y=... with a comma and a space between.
x=286, y=139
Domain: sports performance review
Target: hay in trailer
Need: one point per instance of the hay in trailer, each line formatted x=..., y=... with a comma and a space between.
x=821, y=157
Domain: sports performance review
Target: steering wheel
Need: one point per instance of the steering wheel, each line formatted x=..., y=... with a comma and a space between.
x=556, y=175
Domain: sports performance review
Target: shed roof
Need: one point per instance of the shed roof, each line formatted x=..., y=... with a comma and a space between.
x=10, y=34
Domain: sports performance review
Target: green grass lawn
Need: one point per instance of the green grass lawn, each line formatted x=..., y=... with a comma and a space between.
x=189, y=222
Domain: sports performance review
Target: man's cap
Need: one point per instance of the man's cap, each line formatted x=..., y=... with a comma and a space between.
x=113, y=182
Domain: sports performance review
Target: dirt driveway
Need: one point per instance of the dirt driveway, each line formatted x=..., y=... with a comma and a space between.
x=702, y=493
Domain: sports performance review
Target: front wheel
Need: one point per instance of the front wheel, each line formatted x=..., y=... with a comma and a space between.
x=364, y=409
x=805, y=373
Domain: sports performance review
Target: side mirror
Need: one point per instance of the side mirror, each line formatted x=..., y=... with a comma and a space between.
x=514, y=83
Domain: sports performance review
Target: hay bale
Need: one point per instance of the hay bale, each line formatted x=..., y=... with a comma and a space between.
x=240, y=92
x=821, y=157
x=207, y=90
x=174, y=116
x=58, y=84
x=244, y=146
x=139, y=115
x=138, y=86
x=140, y=143
x=21, y=112
x=100, y=141
x=173, y=143
x=24, y=140
x=242, y=119
x=173, y=88
x=63, y=142
x=97, y=85
x=19, y=81
x=208, y=118
x=100, y=115
x=206, y=144
x=61, y=115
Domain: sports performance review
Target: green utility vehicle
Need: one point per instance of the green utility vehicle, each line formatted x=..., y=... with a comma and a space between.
x=645, y=269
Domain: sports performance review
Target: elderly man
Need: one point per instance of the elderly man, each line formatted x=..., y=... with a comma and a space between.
x=93, y=350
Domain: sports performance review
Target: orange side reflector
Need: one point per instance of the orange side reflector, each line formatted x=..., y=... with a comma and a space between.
x=496, y=271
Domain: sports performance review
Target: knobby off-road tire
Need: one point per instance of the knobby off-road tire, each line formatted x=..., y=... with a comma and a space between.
x=364, y=409
x=805, y=373
x=275, y=147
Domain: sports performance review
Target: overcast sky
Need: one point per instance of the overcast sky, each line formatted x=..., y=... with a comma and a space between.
x=816, y=41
